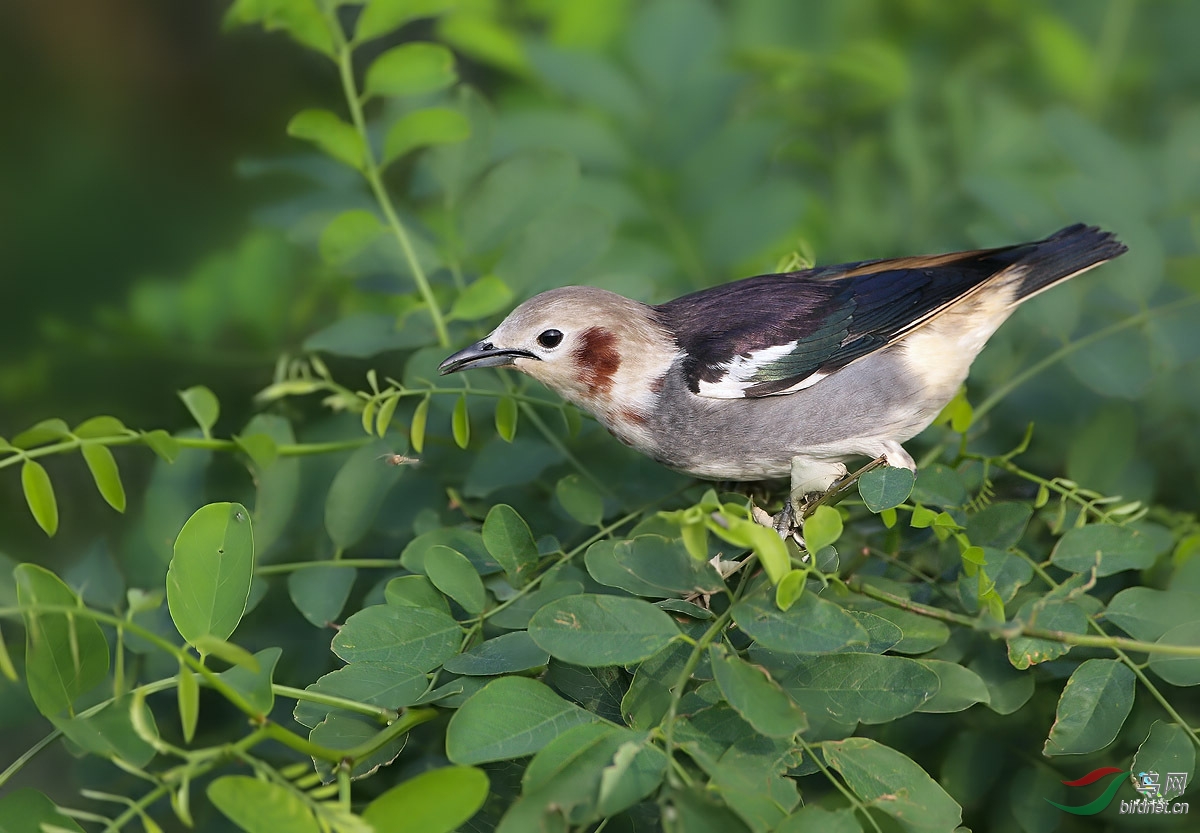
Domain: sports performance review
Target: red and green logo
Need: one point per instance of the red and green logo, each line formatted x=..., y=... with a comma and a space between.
x=1101, y=801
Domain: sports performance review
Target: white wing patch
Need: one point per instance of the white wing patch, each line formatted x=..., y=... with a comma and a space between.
x=739, y=372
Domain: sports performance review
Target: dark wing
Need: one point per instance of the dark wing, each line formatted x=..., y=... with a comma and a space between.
x=776, y=334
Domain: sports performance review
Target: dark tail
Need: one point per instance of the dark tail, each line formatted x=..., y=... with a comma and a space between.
x=1062, y=255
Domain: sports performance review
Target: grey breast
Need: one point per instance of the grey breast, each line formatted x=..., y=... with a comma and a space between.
x=873, y=400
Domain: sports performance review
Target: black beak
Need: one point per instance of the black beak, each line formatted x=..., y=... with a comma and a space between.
x=482, y=354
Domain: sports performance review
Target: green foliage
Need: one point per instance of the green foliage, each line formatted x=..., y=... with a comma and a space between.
x=369, y=580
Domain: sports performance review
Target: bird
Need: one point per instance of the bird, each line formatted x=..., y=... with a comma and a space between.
x=789, y=375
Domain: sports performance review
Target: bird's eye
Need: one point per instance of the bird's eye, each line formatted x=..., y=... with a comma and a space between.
x=550, y=339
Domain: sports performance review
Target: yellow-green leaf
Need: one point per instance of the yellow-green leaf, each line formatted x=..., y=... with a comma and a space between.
x=416, y=433
x=330, y=134
x=203, y=405
x=411, y=69
x=100, y=426
x=39, y=494
x=383, y=419
x=460, y=425
x=104, y=471
x=46, y=431
x=348, y=234
x=188, y=694
x=506, y=418
x=383, y=16
x=423, y=128
x=486, y=296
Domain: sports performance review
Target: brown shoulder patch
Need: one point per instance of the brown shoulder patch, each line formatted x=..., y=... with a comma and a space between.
x=598, y=359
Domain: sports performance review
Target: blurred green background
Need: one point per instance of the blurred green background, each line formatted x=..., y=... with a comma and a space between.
x=159, y=229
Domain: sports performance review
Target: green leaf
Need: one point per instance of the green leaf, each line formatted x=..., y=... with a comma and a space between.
x=510, y=717
x=341, y=730
x=382, y=16
x=105, y=474
x=424, y=128
x=416, y=432
x=208, y=581
x=920, y=633
x=467, y=541
x=588, y=773
x=39, y=495
x=789, y=588
x=663, y=567
x=485, y=39
x=649, y=697
x=814, y=817
x=202, y=404
x=506, y=418
x=960, y=688
x=411, y=69
x=885, y=488
x=65, y=655
x=162, y=444
x=226, y=652
x=303, y=20
x=505, y=654
x=460, y=424
x=891, y=782
x=810, y=626
x=416, y=636
x=1000, y=525
x=822, y=529
x=1147, y=614
x=262, y=449
x=46, y=431
x=1110, y=549
x=769, y=547
x=481, y=299
x=386, y=411
x=1167, y=749
x=187, y=695
x=849, y=687
x=111, y=733
x=436, y=801
x=755, y=696
x=415, y=591
x=278, y=483
x=261, y=806
x=392, y=685
x=320, y=593
x=330, y=134
x=1050, y=614
x=509, y=541
x=100, y=426
x=452, y=573
x=348, y=235
x=28, y=811
x=518, y=614
x=1176, y=670
x=592, y=630
x=939, y=485
x=1092, y=708
x=357, y=493
x=882, y=633
x=512, y=194
x=1008, y=688
x=254, y=683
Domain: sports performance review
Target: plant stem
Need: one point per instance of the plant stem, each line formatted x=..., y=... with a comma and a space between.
x=74, y=443
x=294, y=566
x=371, y=172
x=995, y=397
x=1008, y=631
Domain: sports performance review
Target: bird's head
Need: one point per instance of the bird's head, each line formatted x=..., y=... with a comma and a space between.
x=595, y=348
